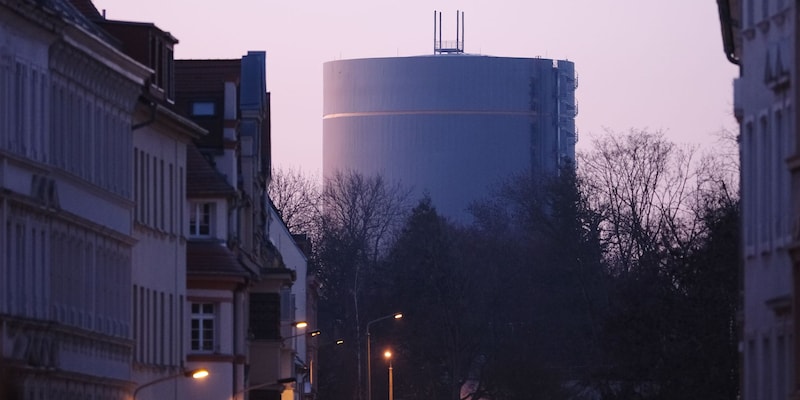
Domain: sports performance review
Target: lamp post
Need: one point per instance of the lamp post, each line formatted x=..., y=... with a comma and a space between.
x=310, y=334
x=195, y=374
x=388, y=355
x=280, y=383
x=369, y=369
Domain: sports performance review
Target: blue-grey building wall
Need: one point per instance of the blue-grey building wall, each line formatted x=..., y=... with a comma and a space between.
x=452, y=126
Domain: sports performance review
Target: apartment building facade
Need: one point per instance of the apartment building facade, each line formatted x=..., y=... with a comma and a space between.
x=109, y=287
x=228, y=97
x=761, y=37
x=297, y=304
x=67, y=100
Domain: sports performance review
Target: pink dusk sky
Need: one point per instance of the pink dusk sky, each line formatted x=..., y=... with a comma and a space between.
x=657, y=65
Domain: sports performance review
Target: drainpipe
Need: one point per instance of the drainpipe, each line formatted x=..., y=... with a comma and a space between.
x=727, y=31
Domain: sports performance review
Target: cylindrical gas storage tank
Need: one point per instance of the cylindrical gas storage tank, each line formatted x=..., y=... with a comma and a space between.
x=452, y=126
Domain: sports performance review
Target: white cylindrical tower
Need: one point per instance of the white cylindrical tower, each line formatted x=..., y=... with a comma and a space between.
x=452, y=126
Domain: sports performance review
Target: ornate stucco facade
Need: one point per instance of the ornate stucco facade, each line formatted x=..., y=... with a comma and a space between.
x=761, y=37
x=66, y=108
x=108, y=289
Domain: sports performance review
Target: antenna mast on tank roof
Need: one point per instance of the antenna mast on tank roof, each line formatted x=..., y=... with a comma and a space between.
x=448, y=47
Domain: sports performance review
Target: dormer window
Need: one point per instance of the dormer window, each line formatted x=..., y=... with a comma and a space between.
x=163, y=64
x=201, y=219
x=203, y=109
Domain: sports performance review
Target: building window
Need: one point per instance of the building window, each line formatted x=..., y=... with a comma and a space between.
x=264, y=316
x=200, y=219
x=748, y=14
x=203, y=109
x=202, y=327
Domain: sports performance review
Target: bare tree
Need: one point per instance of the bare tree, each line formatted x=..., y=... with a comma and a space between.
x=719, y=171
x=297, y=198
x=669, y=233
x=359, y=217
x=366, y=210
x=645, y=188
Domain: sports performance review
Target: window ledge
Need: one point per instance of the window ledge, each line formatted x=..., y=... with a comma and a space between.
x=210, y=357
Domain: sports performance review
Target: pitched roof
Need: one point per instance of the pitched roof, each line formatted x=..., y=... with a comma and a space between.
x=202, y=180
x=87, y=8
x=207, y=257
x=204, y=80
x=78, y=13
x=206, y=76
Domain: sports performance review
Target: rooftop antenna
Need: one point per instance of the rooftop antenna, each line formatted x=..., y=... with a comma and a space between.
x=449, y=47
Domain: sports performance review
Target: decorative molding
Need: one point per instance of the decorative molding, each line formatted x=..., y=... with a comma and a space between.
x=215, y=357
x=41, y=343
x=780, y=17
x=781, y=305
x=45, y=191
x=763, y=25
x=74, y=68
x=209, y=299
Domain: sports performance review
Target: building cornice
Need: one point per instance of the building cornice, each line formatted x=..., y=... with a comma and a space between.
x=176, y=124
x=214, y=281
x=106, y=54
x=61, y=214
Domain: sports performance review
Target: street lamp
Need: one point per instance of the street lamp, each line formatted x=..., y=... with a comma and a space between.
x=294, y=346
x=194, y=374
x=313, y=333
x=369, y=369
x=388, y=355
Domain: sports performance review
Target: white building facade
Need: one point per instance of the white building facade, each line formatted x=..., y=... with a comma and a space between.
x=298, y=360
x=66, y=205
x=217, y=285
x=159, y=256
x=98, y=224
x=236, y=274
x=761, y=36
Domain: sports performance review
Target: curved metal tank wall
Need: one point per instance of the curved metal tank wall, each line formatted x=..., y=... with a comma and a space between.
x=452, y=126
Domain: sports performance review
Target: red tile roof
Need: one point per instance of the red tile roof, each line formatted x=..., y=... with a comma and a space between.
x=202, y=180
x=206, y=76
x=210, y=257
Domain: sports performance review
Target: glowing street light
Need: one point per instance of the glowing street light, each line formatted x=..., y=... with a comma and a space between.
x=369, y=367
x=199, y=373
x=194, y=374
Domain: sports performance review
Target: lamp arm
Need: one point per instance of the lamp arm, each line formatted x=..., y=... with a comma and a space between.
x=259, y=386
x=159, y=380
x=369, y=366
x=380, y=319
x=312, y=334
